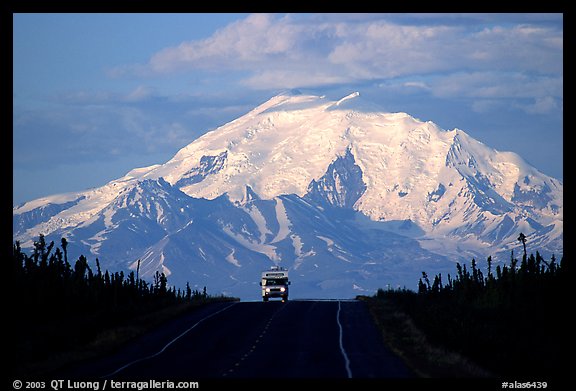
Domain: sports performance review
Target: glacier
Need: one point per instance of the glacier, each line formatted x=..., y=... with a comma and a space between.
x=346, y=196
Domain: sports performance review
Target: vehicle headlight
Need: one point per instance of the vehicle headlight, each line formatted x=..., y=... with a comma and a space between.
x=282, y=289
x=267, y=289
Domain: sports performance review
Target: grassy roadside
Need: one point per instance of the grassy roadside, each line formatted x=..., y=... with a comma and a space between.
x=43, y=351
x=413, y=347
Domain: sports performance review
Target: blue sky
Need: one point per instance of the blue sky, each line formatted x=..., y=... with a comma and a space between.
x=95, y=95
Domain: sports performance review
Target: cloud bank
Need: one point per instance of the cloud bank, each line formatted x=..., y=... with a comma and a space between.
x=482, y=55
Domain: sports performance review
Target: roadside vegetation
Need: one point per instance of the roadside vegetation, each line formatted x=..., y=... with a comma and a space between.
x=59, y=313
x=485, y=321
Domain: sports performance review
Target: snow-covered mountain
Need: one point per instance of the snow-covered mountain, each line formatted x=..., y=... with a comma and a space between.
x=348, y=197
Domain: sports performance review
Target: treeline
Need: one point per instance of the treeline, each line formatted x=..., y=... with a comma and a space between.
x=511, y=319
x=56, y=305
x=48, y=281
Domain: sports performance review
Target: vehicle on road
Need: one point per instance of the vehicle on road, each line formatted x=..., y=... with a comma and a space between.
x=275, y=283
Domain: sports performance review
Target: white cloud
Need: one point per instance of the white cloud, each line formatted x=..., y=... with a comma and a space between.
x=486, y=105
x=417, y=85
x=83, y=97
x=492, y=84
x=240, y=45
x=139, y=94
x=384, y=50
x=480, y=57
x=278, y=79
x=302, y=51
x=542, y=105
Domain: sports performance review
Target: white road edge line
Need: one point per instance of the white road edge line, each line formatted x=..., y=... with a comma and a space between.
x=167, y=345
x=346, y=359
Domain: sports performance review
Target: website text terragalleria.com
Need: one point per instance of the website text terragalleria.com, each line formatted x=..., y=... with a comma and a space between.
x=141, y=385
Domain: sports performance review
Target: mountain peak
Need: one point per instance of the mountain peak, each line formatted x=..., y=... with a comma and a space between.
x=278, y=183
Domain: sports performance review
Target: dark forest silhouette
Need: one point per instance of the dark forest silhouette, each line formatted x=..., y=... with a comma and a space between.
x=511, y=319
x=46, y=279
x=56, y=305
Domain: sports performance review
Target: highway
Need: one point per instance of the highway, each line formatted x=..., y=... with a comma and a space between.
x=292, y=340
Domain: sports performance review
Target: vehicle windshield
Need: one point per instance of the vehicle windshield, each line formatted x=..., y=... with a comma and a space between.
x=276, y=281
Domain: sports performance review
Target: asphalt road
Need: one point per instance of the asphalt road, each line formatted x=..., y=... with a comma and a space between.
x=296, y=339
